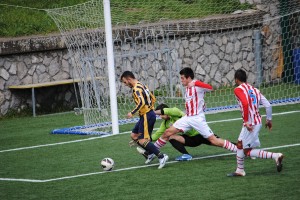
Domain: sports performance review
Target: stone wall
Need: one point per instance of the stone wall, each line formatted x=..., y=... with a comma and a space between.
x=214, y=56
x=35, y=67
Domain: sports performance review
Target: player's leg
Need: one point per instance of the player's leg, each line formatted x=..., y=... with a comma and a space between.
x=185, y=140
x=259, y=153
x=135, y=137
x=180, y=125
x=146, y=128
x=246, y=141
x=239, y=160
x=207, y=142
x=199, y=124
x=162, y=141
x=178, y=142
x=252, y=140
x=226, y=144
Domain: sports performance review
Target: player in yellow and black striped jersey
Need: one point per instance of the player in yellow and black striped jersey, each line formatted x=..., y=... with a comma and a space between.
x=142, y=130
x=143, y=99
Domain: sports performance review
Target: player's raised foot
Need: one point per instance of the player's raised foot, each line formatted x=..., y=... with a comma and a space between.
x=150, y=158
x=184, y=157
x=237, y=174
x=279, y=162
x=142, y=151
x=163, y=161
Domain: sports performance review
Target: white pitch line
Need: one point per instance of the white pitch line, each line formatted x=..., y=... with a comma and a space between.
x=21, y=180
x=130, y=168
x=93, y=138
x=46, y=145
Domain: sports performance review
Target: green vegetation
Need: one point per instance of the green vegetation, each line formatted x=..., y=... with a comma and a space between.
x=197, y=179
x=18, y=21
x=30, y=17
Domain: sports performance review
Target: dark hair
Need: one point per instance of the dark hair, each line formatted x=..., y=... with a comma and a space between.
x=127, y=74
x=187, y=72
x=240, y=75
x=161, y=108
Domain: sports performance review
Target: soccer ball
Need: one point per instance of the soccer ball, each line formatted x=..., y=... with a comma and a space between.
x=107, y=164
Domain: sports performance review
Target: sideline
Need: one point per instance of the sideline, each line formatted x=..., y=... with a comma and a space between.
x=129, y=168
x=93, y=138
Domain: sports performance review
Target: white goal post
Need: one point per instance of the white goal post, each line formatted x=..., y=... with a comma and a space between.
x=111, y=68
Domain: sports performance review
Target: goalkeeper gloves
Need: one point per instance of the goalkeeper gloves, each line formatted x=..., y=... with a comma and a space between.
x=133, y=143
x=268, y=125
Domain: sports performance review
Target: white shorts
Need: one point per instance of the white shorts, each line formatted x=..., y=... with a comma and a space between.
x=250, y=139
x=198, y=122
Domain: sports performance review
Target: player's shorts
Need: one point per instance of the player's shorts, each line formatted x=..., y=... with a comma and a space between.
x=145, y=125
x=250, y=139
x=198, y=122
x=194, y=141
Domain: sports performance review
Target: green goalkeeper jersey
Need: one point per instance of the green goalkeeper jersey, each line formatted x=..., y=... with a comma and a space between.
x=174, y=114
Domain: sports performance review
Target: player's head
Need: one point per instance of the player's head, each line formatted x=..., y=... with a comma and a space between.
x=186, y=75
x=161, y=108
x=127, y=78
x=187, y=72
x=241, y=76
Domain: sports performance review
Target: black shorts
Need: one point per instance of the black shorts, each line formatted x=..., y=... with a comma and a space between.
x=194, y=141
x=145, y=125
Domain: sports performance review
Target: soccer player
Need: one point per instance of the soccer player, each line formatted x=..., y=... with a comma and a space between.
x=249, y=99
x=190, y=138
x=142, y=130
x=194, y=118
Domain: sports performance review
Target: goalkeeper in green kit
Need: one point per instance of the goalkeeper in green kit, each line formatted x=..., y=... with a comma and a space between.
x=190, y=138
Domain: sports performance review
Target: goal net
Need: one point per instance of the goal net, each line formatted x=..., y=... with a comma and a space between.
x=156, y=39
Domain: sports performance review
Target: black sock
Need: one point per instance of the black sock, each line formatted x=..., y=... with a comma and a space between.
x=151, y=148
x=178, y=146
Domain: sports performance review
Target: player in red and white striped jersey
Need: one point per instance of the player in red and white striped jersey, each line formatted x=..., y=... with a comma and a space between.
x=249, y=99
x=246, y=93
x=194, y=97
x=194, y=118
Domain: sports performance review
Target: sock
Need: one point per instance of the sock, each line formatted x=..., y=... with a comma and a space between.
x=258, y=153
x=178, y=146
x=160, y=143
x=146, y=153
x=149, y=146
x=240, y=160
x=229, y=146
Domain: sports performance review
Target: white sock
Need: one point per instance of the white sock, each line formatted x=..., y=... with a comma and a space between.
x=160, y=143
x=229, y=146
x=240, y=160
x=258, y=153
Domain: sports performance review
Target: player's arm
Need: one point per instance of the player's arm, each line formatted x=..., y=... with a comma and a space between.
x=197, y=83
x=153, y=99
x=245, y=105
x=140, y=101
x=173, y=112
x=264, y=101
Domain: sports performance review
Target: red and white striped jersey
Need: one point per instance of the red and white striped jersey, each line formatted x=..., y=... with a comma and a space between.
x=249, y=99
x=194, y=98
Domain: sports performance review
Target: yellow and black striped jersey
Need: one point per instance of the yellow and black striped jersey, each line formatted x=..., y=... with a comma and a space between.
x=143, y=99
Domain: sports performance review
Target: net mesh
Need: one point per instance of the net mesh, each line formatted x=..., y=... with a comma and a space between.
x=155, y=39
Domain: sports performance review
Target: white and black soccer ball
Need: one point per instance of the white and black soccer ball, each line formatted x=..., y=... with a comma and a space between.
x=107, y=164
